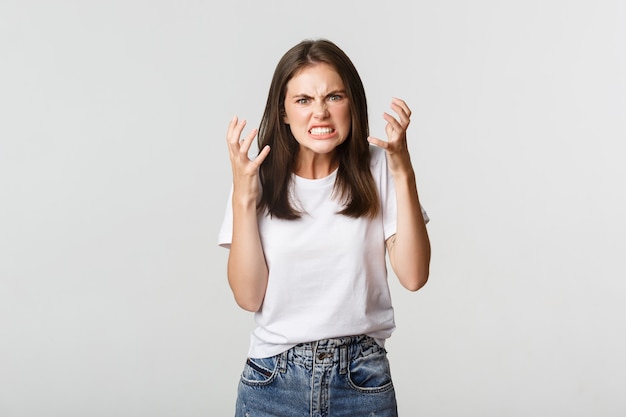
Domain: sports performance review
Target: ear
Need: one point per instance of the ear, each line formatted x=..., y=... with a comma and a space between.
x=284, y=115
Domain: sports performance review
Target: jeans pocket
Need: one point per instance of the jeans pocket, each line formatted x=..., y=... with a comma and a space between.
x=370, y=373
x=260, y=372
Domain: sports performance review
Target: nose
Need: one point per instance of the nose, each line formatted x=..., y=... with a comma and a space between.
x=320, y=109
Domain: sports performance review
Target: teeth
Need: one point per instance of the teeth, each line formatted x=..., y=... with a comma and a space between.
x=321, y=130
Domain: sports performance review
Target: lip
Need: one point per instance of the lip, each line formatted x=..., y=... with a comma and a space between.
x=329, y=135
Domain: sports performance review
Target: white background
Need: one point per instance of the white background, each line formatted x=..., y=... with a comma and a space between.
x=114, y=175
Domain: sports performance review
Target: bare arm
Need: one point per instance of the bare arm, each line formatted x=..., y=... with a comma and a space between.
x=409, y=248
x=247, y=269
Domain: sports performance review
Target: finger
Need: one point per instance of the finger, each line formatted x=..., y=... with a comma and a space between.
x=231, y=127
x=389, y=131
x=402, y=104
x=404, y=113
x=261, y=156
x=378, y=142
x=247, y=142
x=393, y=122
x=234, y=131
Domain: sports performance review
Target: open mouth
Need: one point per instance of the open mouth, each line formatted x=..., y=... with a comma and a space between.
x=321, y=131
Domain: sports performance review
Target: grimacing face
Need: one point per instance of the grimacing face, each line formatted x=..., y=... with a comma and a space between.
x=317, y=109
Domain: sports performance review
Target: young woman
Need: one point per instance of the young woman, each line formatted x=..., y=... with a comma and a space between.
x=308, y=225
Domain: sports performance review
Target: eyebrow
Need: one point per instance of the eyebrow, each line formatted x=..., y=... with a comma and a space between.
x=303, y=95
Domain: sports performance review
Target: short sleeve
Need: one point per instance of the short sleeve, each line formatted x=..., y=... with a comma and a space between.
x=386, y=187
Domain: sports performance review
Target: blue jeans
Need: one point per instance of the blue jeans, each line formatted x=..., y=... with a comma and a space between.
x=346, y=376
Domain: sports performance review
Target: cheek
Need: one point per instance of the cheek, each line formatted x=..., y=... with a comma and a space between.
x=344, y=111
x=346, y=118
x=293, y=117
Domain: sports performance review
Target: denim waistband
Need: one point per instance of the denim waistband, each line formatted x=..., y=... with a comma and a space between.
x=332, y=351
x=332, y=343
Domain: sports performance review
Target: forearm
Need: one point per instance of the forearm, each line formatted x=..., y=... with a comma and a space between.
x=409, y=248
x=247, y=270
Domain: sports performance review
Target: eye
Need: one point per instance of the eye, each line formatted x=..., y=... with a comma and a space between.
x=335, y=97
x=302, y=101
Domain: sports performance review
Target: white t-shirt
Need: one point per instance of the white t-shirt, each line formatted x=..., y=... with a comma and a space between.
x=327, y=272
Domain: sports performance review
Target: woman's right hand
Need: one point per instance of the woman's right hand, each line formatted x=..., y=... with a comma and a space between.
x=247, y=269
x=245, y=171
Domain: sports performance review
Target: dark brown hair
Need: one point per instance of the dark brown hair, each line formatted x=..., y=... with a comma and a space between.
x=354, y=185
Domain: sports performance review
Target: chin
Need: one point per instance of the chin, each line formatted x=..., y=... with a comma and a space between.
x=324, y=149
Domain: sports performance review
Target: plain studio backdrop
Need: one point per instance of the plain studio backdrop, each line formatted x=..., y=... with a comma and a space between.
x=114, y=176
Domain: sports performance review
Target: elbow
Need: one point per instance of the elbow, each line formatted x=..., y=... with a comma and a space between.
x=414, y=286
x=247, y=298
x=418, y=277
x=412, y=271
x=248, y=303
x=417, y=280
x=248, y=291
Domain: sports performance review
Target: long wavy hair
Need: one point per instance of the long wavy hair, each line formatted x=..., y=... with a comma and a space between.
x=354, y=186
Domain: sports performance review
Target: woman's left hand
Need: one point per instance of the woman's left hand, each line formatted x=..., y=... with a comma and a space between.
x=409, y=247
x=396, y=145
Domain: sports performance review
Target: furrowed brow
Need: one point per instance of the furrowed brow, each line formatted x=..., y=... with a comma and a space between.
x=336, y=92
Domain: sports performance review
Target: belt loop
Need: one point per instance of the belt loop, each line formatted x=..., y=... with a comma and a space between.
x=282, y=362
x=343, y=360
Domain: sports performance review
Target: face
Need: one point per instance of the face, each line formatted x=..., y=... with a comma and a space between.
x=317, y=109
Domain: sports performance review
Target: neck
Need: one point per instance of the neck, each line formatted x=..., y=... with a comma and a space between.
x=314, y=166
